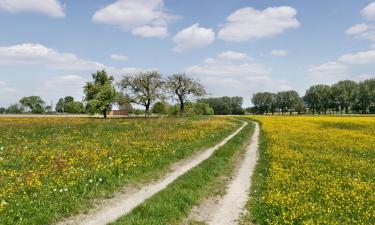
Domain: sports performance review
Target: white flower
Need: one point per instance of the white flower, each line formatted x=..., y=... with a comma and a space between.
x=2, y=148
x=3, y=202
x=90, y=180
x=61, y=190
x=54, y=189
x=100, y=179
x=65, y=189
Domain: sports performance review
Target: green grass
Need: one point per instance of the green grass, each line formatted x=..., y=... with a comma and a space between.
x=174, y=203
x=314, y=170
x=51, y=168
x=258, y=181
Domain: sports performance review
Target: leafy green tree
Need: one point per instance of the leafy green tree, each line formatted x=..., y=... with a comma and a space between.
x=15, y=109
x=100, y=94
x=160, y=108
x=366, y=95
x=143, y=88
x=61, y=104
x=225, y=105
x=345, y=94
x=2, y=110
x=34, y=103
x=184, y=87
x=74, y=107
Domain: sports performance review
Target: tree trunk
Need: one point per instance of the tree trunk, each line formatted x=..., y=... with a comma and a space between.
x=147, y=110
x=105, y=114
x=182, y=105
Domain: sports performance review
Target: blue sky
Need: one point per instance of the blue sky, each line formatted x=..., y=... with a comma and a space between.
x=234, y=47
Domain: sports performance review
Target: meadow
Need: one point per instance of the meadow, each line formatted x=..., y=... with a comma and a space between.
x=314, y=170
x=54, y=167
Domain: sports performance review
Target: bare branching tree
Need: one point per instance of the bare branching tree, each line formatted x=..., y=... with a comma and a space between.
x=143, y=88
x=184, y=87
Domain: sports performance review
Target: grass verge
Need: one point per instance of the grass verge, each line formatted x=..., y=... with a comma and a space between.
x=255, y=211
x=174, y=203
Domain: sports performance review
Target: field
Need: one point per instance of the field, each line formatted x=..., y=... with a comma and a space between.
x=314, y=170
x=53, y=167
x=311, y=169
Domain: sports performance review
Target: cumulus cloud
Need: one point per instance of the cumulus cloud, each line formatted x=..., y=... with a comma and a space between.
x=279, y=52
x=193, y=37
x=119, y=57
x=362, y=31
x=369, y=11
x=250, y=24
x=147, y=18
x=52, y=8
x=235, y=73
x=328, y=72
x=364, y=57
x=37, y=54
x=363, y=77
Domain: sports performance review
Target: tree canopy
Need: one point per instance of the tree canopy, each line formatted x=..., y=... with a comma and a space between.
x=183, y=88
x=100, y=94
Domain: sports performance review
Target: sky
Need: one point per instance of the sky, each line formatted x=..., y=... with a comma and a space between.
x=50, y=48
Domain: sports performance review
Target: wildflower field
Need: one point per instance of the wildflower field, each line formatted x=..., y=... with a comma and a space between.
x=314, y=170
x=53, y=167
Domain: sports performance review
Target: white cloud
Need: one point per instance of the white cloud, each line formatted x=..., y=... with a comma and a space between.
x=193, y=37
x=147, y=18
x=279, y=52
x=52, y=8
x=235, y=73
x=250, y=24
x=119, y=57
x=369, y=11
x=231, y=55
x=357, y=28
x=328, y=72
x=151, y=31
x=37, y=54
x=362, y=31
x=364, y=57
x=118, y=73
x=372, y=46
x=363, y=77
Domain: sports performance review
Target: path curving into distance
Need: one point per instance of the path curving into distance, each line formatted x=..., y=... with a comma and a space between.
x=123, y=203
x=231, y=205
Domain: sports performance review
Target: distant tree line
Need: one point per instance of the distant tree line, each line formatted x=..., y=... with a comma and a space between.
x=225, y=105
x=343, y=97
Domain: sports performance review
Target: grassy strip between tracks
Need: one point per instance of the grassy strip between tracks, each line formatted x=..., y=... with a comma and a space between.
x=173, y=204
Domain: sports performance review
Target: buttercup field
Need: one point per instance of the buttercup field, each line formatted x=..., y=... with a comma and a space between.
x=173, y=112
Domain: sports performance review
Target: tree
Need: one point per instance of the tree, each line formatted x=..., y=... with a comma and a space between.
x=264, y=102
x=184, y=87
x=143, y=88
x=61, y=104
x=366, y=94
x=345, y=94
x=225, y=105
x=74, y=107
x=100, y=94
x=15, y=109
x=124, y=102
x=281, y=101
x=2, y=110
x=160, y=108
x=34, y=103
x=291, y=101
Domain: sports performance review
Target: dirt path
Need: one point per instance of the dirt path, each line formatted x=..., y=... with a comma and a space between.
x=124, y=202
x=228, y=209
